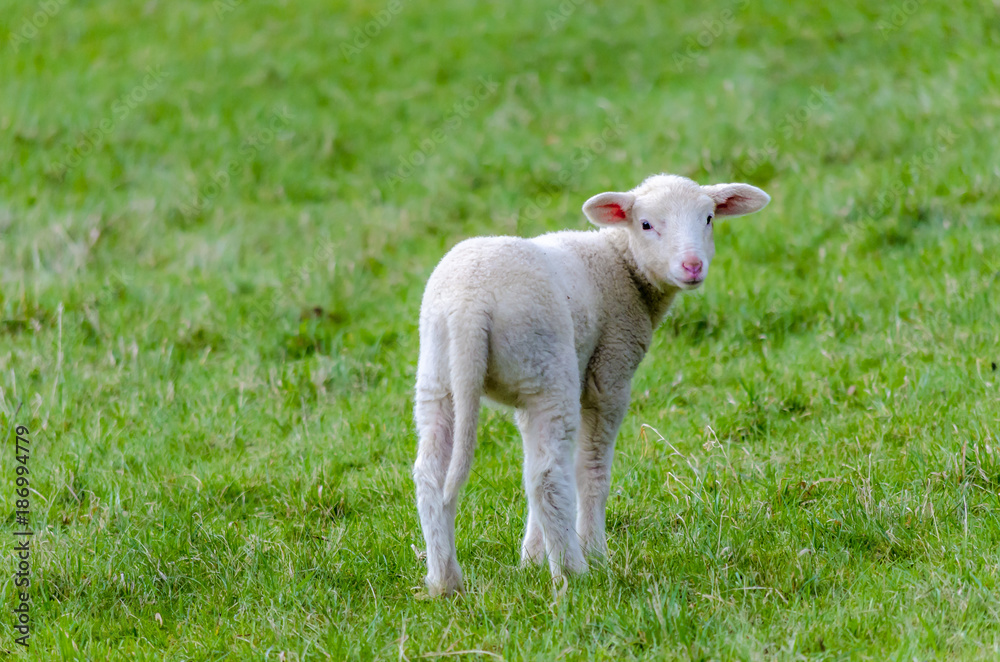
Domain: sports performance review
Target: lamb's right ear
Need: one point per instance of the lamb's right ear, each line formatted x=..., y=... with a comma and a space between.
x=736, y=199
x=607, y=209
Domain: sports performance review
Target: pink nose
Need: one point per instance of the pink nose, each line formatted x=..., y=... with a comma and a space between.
x=692, y=266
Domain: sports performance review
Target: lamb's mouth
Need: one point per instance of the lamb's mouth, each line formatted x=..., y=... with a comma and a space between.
x=690, y=283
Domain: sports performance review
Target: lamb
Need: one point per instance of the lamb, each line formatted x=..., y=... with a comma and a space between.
x=555, y=327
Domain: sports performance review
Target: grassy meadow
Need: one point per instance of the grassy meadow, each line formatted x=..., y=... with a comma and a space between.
x=216, y=221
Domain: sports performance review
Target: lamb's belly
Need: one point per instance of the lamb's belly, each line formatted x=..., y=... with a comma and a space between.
x=501, y=395
x=517, y=370
x=585, y=348
x=530, y=360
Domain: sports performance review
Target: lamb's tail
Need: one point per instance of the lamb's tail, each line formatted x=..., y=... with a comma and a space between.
x=468, y=353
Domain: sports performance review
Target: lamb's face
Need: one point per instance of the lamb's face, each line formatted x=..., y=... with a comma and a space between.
x=671, y=237
x=670, y=221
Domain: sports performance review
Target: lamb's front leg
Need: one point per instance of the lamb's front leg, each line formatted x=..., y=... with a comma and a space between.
x=594, y=455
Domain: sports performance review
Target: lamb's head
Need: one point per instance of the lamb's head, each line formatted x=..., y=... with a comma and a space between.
x=669, y=223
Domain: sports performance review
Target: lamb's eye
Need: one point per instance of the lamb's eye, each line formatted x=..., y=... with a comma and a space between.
x=646, y=225
x=709, y=221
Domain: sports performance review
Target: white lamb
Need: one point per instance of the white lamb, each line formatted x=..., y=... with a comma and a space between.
x=555, y=327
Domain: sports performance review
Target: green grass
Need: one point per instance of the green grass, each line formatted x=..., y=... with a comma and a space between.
x=216, y=369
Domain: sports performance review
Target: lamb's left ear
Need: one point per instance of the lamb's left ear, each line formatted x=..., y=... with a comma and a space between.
x=606, y=209
x=736, y=199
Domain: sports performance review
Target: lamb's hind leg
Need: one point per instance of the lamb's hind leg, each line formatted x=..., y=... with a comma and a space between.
x=593, y=472
x=533, y=546
x=549, y=428
x=435, y=427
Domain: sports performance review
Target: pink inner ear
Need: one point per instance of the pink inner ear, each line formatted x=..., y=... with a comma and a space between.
x=731, y=203
x=614, y=211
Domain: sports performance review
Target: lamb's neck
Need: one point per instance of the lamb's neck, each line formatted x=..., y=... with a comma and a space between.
x=657, y=298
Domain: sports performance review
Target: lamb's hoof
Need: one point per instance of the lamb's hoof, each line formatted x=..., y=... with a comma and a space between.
x=596, y=555
x=446, y=586
x=439, y=590
x=532, y=557
x=533, y=549
x=576, y=565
